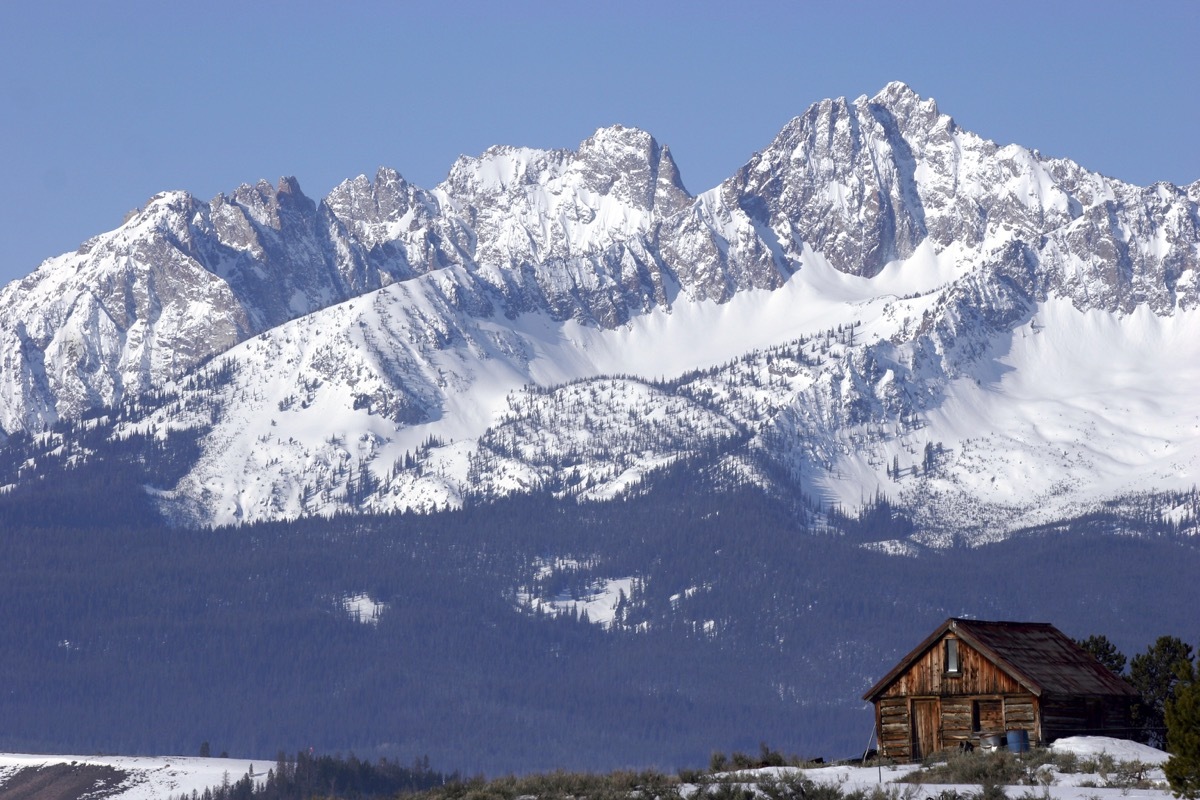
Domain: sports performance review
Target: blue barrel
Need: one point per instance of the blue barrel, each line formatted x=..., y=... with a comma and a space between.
x=1018, y=741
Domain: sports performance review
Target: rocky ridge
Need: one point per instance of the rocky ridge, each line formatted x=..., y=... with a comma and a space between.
x=566, y=320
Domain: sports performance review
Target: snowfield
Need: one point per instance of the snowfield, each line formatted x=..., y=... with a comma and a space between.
x=1066, y=411
x=1061, y=786
x=154, y=778
x=149, y=777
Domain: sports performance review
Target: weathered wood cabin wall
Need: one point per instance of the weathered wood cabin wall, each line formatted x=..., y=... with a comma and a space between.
x=1085, y=716
x=997, y=677
x=977, y=675
x=979, y=698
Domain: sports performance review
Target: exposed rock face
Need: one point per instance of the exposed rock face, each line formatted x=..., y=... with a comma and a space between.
x=570, y=232
x=182, y=280
x=179, y=282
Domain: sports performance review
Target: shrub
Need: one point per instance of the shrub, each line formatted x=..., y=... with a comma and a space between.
x=785, y=787
x=999, y=768
x=1067, y=763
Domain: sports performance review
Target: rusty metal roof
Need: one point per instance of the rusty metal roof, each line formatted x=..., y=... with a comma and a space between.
x=1036, y=654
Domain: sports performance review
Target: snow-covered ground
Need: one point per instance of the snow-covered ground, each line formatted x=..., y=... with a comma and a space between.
x=149, y=777
x=1119, y=749
x=600, y=601
x=1061, y=786
x=153, y=778
x=362, y=608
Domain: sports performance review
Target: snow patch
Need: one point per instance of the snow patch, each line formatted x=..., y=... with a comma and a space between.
x=363, y=609
x=1119, y=749
x=600, y=599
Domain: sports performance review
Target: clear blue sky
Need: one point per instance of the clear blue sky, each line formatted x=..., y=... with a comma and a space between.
x=104, y=104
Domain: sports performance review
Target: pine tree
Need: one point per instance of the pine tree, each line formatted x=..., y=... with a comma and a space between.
x=1154, y=674
x=1183, y=735
x=1105, y=652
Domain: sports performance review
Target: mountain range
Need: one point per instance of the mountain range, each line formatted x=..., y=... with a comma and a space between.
x=877, y=305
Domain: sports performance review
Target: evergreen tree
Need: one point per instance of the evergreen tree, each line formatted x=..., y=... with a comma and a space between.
x=1183, y=735
x=1154, y=674
x=1105, y=652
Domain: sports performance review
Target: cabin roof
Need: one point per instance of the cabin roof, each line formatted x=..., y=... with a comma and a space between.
x=1035, y=654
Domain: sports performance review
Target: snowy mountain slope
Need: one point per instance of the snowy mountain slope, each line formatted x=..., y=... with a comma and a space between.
x=878, y=301
x=179, y=282
x=866, y=182
x=431, y=414
x=182, y=280
x=370, y=381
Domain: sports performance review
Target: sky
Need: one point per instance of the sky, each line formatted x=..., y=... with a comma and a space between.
x=103, y=105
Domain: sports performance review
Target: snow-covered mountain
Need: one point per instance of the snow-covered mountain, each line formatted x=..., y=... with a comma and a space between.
x=878, y=302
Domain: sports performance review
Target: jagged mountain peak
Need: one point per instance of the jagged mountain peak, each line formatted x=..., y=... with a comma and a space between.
x=264, y=200
x=630, y=164
x=841, y=178
x=502, y=170
x=624, y=162
x=288, y=185
x=172, y=199
x=895, y=113
x=618, y=136
x=386, y=197
x=902, y=101
x=615, y=144
x=155, y=211
x=896, y=98
x=896, y=92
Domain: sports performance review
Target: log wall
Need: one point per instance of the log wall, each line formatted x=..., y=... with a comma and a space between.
x=1086, y=716
x=927, y=677
x=1004, y=704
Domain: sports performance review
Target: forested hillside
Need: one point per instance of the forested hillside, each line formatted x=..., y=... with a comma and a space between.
x=410, y=635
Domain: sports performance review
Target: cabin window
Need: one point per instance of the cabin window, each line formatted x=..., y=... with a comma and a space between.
x=953, y=667
x=987, y=716
x=1095, y=716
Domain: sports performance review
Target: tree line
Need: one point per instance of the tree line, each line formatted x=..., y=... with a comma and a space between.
x=1167, y=711
x=307, y=775
x=744, y=623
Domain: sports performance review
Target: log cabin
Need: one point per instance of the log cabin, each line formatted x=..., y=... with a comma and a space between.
x=971, y=680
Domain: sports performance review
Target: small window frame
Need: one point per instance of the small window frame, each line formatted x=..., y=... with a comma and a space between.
x=951, y=658
x=991, y=708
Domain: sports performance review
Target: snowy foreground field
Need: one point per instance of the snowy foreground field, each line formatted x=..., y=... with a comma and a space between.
x=1057, y=785
x=146, y=777
x=149, y=778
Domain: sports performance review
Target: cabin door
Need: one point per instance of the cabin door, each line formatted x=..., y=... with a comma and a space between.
x=926, y=728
